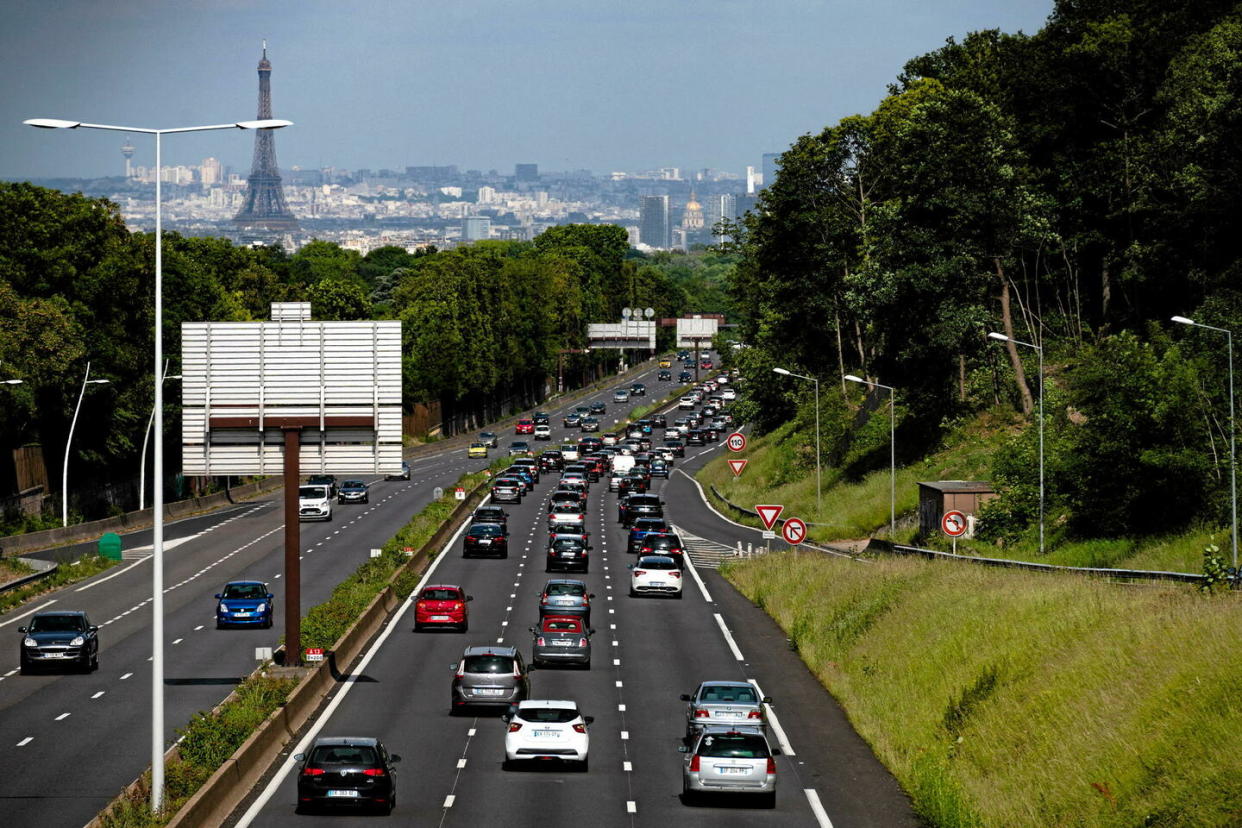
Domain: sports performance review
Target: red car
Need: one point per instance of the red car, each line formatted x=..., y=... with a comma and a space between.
x=442, y=605
x=706, y=365
x=524, y=427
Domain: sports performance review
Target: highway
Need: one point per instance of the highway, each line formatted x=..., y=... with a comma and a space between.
x=646, y=652
x=72, y=741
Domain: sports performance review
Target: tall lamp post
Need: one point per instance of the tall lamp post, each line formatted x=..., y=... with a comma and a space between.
x=1233, y=465
x=892, y=448
x=784, y=372
x=1000, y=337
x=64, y=472
x=157, y=534
x=560, y=365
x=146, y=437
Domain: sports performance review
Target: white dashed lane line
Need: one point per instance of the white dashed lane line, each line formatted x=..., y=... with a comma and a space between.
x=25, y=741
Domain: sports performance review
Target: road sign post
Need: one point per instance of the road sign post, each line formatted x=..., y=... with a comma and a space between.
x=768, y=513
x=953, y=523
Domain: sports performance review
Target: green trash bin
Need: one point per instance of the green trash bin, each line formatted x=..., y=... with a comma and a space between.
x=110, y=546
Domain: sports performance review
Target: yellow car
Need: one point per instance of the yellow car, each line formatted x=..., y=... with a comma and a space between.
x=666, y=363
x=477, y=450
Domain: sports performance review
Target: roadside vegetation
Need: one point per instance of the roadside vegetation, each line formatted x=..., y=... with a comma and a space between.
x=67, y=573
x=1026, y=700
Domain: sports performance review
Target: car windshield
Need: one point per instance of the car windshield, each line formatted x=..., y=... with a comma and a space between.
x=440, y=594
x=57, y=623
x=490, y=530
x=478, y=445
x=547, y=715
x=245, y=591
x=566, y=589
x=734, y=695
x=657, y=562
x=734, y=746
x=353, y=484
x=488, y=664
x=312, y=492
x=343, y=755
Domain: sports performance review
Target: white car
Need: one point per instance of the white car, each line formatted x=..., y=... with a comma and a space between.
x=543, y=432
x=545, y=729
x=728, y=394
x=620, y=395
x=569, y=453
x=687, y=402
x=314, y=503
x=655, y=574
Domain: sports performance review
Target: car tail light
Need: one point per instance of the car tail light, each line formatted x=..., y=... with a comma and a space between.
x=646, y=550
x=580, y=728
x=754, y=714
x=771, y=765
x=694, y=763
x=514, y=727
x=640, y=572
x=374, y=772
x=461, y=669
x=539, y=642
x=582, y=642
x=675, y=574
x=470, y=538
x=313, y=771
x=517, y=674
x=543, y=600
x=702, y=714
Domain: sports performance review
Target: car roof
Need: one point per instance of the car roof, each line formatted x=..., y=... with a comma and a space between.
x=722, y=729
x=660, y=558
x=574, y=581
x=370, y=741
x=527, y=704
x=441, y=586
x=727, y=684
x=490, y=649
x=46, y=613
x=245, y=581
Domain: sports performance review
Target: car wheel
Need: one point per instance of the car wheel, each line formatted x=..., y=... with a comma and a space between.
x=508, y=765
x=767, y=800
x=465, y=626
x=268, y=624
x=94, y=665
x=584, y=765
x=688, y=797
x=26, y=668
x=633, y=594
x=418, y=627
x=219, y=625
x=678, y=595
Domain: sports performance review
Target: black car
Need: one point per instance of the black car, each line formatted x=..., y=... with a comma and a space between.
x=659, y=420
x=639, y=482
x=485, y=539
x=660, y=468
x=640, y=528
x=349, y=772
x=664, y=543
x=685, y=376
x=694, y=437
x=353, y=491
x=566, y=551
x=323, y=480
x=639, y=505
x=59, y=637
x=541, y=418
x=638, y=390
x=599, y=407
x=550, y=461
x=491, y=514
x=664, y=375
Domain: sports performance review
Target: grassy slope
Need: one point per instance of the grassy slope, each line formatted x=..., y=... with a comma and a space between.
x=1011, y=699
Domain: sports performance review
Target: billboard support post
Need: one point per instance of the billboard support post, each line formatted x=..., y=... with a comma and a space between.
x=293, y=544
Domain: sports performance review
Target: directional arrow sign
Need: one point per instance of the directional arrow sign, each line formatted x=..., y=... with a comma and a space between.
x=736, y=441
x=737, y=465
x=769, y=514
x=794, y=531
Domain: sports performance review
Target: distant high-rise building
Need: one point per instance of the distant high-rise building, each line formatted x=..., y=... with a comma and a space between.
x=210, y=172
x=487, y=195
x=770, y=160
x=718, y=207
x=526, y=172
x=127, y=150
x=653, y=221
x=265, y=207
x=476, y=228
x=751, y=181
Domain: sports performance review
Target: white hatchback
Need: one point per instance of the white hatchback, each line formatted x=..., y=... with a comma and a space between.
x=655, y=574
x=541, y=729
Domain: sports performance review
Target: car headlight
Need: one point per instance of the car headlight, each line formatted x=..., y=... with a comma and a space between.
x=77, y=641
x=261, y=607
x=30, y=642
x=224, y=608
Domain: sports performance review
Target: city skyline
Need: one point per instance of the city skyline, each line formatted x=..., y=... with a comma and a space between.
x=566, y=85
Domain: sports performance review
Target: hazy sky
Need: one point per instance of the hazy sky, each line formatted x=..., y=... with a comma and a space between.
x=597, y=84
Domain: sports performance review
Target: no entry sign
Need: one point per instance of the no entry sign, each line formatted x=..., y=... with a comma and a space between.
x=794, y=531
x=953, y=524
x=737, y=464
x=736, y=441
x=769, y=514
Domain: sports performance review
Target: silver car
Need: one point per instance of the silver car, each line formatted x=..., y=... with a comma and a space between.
x=489, y=676
x=734, y=760
x=561, y=639
x=730, y=703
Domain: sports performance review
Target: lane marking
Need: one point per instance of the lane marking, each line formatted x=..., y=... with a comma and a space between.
x=461, y=763
x=449, y=800
x=113, y=575
x=817, y=808
x=25, y=741
x=737, y=654
x=62, y=717
x=631, y=807
x=786, y=748
x=100, y=693
x=702, y=586
x=627, y=766
x=127, y=675
x=28, y=612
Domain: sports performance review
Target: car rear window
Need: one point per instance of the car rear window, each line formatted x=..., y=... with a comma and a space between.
x=562, y=625
x=343, y=755
x=488, y=664
x=547, y=715
x=737, y=695
x=657, y=562
x=244, y=591
x=440, y=595
x=490, y=530
x=664, y=542
x=734, y=746
x=644, y=500
x=566, y=589
x=57, y=623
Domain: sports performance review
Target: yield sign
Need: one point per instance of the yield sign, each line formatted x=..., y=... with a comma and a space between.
x=794, y=531
x=769, y=514
x=737, y=465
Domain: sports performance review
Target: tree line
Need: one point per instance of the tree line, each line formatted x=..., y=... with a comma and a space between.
x=1072, y=189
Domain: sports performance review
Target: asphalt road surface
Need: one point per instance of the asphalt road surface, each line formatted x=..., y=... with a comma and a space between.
x=70, y=742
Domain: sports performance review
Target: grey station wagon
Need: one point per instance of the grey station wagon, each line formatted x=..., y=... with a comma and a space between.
x=489, y=676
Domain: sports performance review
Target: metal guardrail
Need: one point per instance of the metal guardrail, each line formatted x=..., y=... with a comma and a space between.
x=43, y=569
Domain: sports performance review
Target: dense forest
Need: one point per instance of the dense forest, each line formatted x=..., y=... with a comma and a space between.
x=1074, y=189
x=483, y=323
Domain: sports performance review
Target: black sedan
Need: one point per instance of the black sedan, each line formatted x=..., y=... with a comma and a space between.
x=59, y=637
x=485, y=539
x=349, y=772
x=353, y=491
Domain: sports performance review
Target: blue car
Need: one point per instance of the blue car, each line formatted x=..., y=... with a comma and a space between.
x=244, y=603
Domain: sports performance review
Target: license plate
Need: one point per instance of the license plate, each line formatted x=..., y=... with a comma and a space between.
x=656, y=584
x=54, y=655
x=562, y=643
x=439, y=618
x=727, y=770
x=485, y=542
x=489, y=691
x=569, y=555
x=729, y=714
x=343, y=794
x=242, y=614
x=546, y=734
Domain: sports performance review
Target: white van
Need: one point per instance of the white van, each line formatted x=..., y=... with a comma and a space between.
x=314, y=503
x=622, y=463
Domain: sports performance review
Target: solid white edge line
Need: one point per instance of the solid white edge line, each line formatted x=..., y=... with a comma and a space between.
x=28, y=612
x=786, y=748
x=817, y=808
x=728, y=636
x=698, y=580
x=114, y=574
x=268, y=792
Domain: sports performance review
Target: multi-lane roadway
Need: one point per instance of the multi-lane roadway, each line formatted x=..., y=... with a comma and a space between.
x=70, y=742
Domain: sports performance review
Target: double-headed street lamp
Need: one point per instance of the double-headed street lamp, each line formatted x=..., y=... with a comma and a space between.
x=784, y=372
x=892, y=449
x=1000, y=337
x=157, y=534
x=64, y=472
x=1233, y=456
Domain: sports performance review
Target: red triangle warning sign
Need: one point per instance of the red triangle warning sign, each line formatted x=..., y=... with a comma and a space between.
x=737, y=465
x=769, y=514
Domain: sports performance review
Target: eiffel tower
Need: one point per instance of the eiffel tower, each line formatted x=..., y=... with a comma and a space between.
x=265, y=207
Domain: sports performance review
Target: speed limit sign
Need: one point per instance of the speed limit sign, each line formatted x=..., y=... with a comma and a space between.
x=953, y=524
x=736, y=441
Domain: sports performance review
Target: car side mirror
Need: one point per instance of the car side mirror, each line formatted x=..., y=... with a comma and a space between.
x=530, y=668
x=270, y=596
x=588, y=719
x=504, y=717
x=218, y=596
x=21, y=629
x=685, y=697
x=629, y=566
x=453, y=668
x=396, y=757
x=93, y=628
x=767, y=699
x=469, y=597
x=683, y=749
x=298, y=757
x=532, y=629
x=776, y=751
x=592, y=595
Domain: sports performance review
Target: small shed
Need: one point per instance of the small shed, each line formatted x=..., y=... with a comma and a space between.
x=939, y=496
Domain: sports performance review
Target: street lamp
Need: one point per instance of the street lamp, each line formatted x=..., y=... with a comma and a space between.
x=892, y=449
x=146, y=436
x=157, y=534
x=1000, y=337
x=784, y=372
x=64, y=472
x=560, y=369
x=1233, y=465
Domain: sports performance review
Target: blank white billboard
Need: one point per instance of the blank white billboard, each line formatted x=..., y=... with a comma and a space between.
x=626, y=334
x=690, y=329
x=339, y=382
